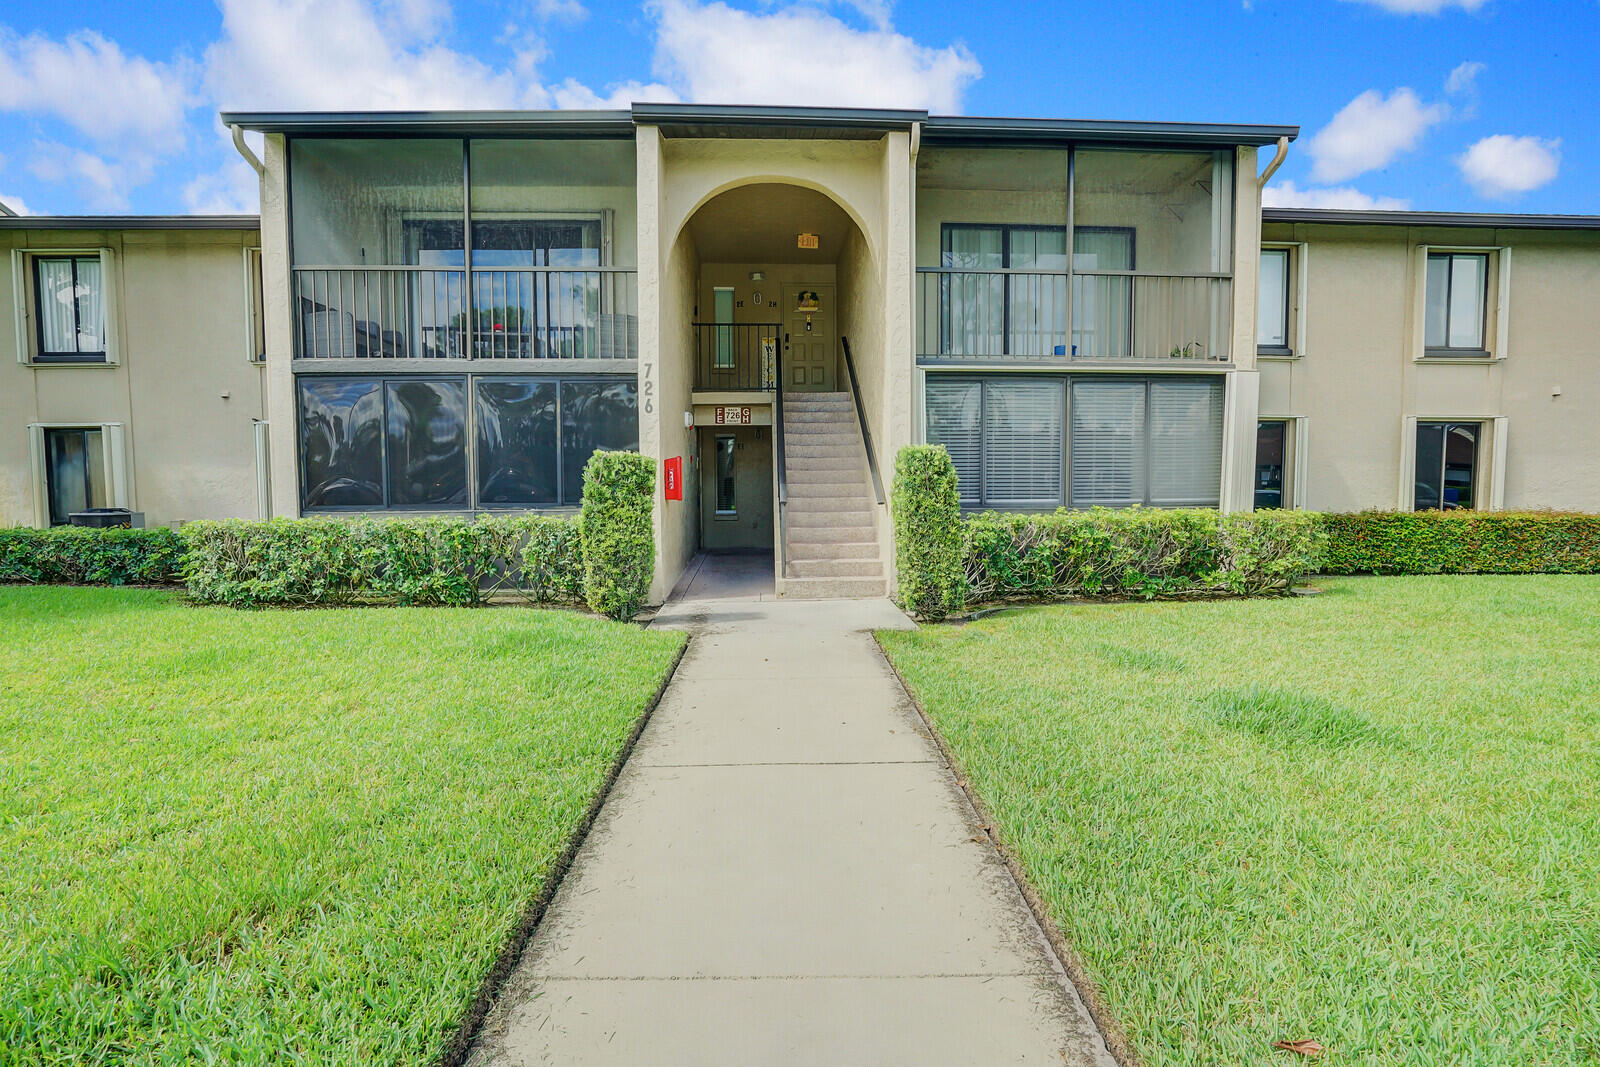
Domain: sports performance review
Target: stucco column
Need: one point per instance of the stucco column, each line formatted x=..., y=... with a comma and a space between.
x=1241, y=409
x=651, y=406
x=276, y=301
x=1246, y=257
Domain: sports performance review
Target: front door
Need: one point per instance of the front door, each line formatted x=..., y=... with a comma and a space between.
x=808, y=352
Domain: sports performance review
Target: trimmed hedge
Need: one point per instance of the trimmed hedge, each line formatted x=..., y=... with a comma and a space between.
x=1462, y=542
x=1139, y=552
x=328, y=561
x=928, y=533
x=86, y=556
x=619, y=551
x=552, y=561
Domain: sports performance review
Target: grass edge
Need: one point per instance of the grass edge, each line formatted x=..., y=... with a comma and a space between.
x=1111, y=1032
x=465, y=1035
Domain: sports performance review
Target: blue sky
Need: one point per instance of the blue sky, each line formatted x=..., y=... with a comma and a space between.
x=1463, y=105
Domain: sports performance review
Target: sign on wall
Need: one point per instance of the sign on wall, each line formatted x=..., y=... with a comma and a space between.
x=672, y=477
x=733, y=415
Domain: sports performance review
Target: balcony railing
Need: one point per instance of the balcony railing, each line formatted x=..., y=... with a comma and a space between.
x=1048, y=316
x=742, y=356
x=424, y=313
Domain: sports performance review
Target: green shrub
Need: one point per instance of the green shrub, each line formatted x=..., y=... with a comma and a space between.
x=615, y=531
x=1462, y=542
x=330, y=561
x=86, y=556
x=1138, y=552
x=928, y=533
x=552, y=561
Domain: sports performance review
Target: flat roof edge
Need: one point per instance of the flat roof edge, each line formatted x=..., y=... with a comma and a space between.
x=370, y=122
x=951, y=129
x=1477, y=220
x=760, y=115
x=130, y=222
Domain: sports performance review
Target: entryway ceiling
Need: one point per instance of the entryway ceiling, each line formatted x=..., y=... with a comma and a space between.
x=759, y=223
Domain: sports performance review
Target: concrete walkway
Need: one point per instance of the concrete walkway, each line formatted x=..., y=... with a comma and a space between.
x=786, y=873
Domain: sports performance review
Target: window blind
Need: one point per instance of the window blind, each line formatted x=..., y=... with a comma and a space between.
x=954, y=411
x=1185, y=443
x=1108, y=443
x=1022, y=444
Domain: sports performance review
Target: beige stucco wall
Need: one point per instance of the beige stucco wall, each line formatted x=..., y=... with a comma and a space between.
x=183, y=389
x=1359, y=375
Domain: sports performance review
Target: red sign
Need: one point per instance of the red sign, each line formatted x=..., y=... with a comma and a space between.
x=731, y=416
x=672, y=477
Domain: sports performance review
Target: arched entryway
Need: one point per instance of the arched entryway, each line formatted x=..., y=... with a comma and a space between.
x=765, y=282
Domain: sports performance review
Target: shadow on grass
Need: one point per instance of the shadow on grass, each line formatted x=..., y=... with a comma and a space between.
x=1280, y=716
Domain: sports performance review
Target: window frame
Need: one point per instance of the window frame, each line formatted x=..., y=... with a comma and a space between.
x=114, y=457
x=1481, y=491
x=26, y=307
x=1450, y=255
x=1066, y=381
x=1290, y=291
x=718, y=512
x=471, y=458
x=255, y=326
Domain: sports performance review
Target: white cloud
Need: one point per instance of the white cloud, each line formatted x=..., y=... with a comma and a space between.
x=90, y=84
x=1369, y=132
x=1464, y=79
x=1422, y=7
x=560, y=10
x=103, y=182
x=14, y=203
x=714, y=53
x=1287, y=194
x=1503, y=166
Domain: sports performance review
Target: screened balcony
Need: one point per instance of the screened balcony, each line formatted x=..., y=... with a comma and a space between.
x=381, y=269
x=1149, y=276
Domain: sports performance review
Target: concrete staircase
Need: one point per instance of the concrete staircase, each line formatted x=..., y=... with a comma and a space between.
x=830, y=520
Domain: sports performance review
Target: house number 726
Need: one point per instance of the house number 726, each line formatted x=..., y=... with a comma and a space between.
x=649, y=389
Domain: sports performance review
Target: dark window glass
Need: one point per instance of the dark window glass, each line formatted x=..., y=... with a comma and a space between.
x=1447, y=465
x=517, y=442
x=725, y=479
x=594, y=415
x=1457, y=291
x=341, y=442
x=1271, y=440
x=427, y=442
x=75, y=475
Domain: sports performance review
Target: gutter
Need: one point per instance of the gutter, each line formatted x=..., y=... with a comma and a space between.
x=1277, y=161
x=244, y=150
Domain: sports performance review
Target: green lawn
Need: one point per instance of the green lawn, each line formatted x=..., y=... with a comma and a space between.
x=283, y=836
x=1370, y=817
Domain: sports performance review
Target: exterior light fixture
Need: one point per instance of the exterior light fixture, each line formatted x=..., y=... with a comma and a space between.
x=758, y=275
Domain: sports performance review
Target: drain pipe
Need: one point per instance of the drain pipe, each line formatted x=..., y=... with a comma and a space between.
x=244, y=150
x=1277, y=161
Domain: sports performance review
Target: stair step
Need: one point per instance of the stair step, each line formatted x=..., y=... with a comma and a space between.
x=836, y=568
x=821, y=457
x=853, y=516
x=815, y=550
x=833, y=588
x=802, y=500
x=839, y=475
x=800, y=430
x=811, y=535
x=809, y=416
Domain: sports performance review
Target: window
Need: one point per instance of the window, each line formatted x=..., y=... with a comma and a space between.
x=373, y=443
x=1022, y=314
x=1272, y=440
x=255, y=314
x=1154, y=441
x=69, y=302
x=1005, y=436
x=1457, y=290
x=75, y=474
x=1102, y=304
x=1447, y=465
x=1018, y=444
x=722, y=312
x=727, y=505
x=1272, y=303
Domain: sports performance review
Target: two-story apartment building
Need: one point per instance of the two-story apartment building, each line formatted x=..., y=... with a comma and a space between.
x=456, y=309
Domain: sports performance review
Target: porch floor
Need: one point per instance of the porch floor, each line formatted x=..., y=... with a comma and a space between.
x=732, y=574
